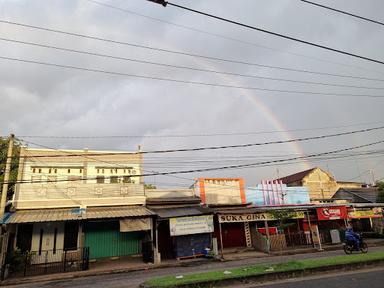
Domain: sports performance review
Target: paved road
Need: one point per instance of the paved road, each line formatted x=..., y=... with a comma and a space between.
x=372, y=278
x=133, y=279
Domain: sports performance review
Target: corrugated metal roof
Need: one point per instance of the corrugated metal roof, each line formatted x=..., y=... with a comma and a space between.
x=48, y=215
x=180, y=212
x=357, y=195
x=175, y=200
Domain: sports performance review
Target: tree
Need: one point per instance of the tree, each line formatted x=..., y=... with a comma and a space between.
x=149, y=186
x=380, y=195
x=14, y=164
x=283, y=216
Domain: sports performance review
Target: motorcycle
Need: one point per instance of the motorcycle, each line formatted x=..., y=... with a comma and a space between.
x=350, y=246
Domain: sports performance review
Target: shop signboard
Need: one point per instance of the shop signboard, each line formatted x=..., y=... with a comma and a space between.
x=367, y=213
x=332, y=213
x=231, y=218
x=191, y=225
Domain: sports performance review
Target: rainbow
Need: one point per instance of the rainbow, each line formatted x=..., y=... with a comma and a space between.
x=265, y=111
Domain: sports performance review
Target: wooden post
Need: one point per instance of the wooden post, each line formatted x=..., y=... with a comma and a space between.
x=80, y=236
x=156, y=255
x=157, y=236
x=266, y=228
x=267, y=234
x=7, y=172
x=298, y=225
x=152, y=234
x=221, y=241
x=310, y=230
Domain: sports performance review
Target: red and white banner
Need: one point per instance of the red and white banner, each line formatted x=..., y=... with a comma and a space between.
x=332, y=213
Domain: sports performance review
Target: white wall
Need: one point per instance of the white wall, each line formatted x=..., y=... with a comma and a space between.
x=47, y=241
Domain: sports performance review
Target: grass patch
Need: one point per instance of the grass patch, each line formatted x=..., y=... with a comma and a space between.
x=243, y=272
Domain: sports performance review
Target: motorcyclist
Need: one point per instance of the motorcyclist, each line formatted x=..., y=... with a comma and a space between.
x=353, y=237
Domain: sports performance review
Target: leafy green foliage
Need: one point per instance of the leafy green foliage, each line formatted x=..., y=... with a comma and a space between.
x=380, y=195
x=283, y=216
x=14, y=163
x=17, y=259
x=149, y=186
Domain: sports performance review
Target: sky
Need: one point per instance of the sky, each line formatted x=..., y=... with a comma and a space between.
x=75, y=109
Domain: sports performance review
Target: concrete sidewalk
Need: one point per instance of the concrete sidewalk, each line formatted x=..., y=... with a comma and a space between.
x=135, y=264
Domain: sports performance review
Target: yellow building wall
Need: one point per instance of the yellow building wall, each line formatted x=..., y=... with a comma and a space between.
x=222, y=190
x=350, y=185
x=321, y=185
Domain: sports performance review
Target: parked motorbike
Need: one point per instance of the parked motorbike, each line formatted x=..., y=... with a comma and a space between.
x=350, y=246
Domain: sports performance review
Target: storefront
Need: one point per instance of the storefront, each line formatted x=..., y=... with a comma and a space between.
x=183, y=232
x=112, y=231
x=362, y=218
x=192, y=235
x=248, y=227
x=116, y=238
x=331, y=223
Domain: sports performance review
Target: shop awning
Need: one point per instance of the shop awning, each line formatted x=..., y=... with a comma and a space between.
x=180, y=212
x=135, y=224
x=48, y=215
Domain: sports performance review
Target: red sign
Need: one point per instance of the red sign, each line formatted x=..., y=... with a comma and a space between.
x=331, y=213
x=271, y=230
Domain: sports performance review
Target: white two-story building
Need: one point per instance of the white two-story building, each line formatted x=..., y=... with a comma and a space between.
x=69, y=199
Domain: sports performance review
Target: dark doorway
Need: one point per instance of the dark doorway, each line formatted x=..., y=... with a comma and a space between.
x=24, y=237
x=165, y=241
x=71, y=232
x=233, y=235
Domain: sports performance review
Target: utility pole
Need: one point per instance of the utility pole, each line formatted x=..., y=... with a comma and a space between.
x=373, y=176
x=3, y=234
x=6, y=176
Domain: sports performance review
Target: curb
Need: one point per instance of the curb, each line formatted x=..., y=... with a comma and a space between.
x=81, y=274
x=272, y=276
x=89, y=273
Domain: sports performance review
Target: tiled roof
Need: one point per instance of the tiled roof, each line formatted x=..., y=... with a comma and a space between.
x=295, y=177
x=48, y=215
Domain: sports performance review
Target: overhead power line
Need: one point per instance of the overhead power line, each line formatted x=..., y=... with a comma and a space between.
x=184, y=67
x=89, y=156
x=190, y=82
x=262, y=163
x=277, y=34
x=218, y=147
x=343, y=12
x=190, y=28
x=165, y=3
x=185, y=53
x=194, y=135
x=122, y=166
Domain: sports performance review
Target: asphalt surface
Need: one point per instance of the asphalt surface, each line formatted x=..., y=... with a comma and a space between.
x=372, y=278
x=134, y=279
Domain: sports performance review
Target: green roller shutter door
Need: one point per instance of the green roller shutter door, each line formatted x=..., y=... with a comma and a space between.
x=105, y=240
